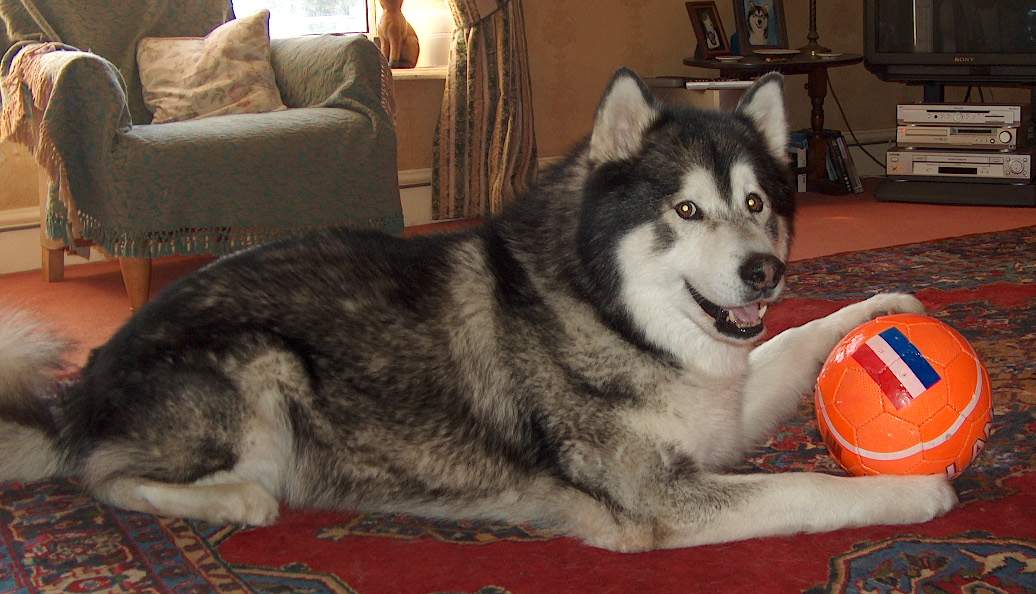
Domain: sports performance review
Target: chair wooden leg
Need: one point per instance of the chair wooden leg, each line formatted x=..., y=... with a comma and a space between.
x=53, y=264
x=136, y=275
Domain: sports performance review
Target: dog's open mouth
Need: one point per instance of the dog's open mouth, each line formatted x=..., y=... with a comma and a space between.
x=742, y=322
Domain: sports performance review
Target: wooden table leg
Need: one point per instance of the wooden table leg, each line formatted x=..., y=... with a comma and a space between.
x=136, y=275
x=53, y=264
x=816, y=160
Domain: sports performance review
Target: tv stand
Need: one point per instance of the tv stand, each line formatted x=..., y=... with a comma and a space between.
x=934, y=93
x=955, y=192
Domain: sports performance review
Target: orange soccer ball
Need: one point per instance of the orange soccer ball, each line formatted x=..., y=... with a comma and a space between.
x=903, y=394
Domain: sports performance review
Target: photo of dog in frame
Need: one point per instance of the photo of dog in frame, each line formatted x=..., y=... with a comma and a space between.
x=760, y=25
x=589, y=361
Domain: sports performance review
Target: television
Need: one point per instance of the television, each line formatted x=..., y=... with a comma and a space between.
x=951, y=41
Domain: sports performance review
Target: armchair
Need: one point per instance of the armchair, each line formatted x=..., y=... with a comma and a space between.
x=214, y=185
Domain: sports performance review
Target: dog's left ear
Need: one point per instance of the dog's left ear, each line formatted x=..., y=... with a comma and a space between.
x=763, y=103
x=625, y=112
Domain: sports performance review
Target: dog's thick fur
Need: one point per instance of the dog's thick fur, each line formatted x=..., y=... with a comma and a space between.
x=585, y=361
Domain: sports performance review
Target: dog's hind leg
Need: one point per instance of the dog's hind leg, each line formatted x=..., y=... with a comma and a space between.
x=786, y=366
x=230, y=462
x=134, y=478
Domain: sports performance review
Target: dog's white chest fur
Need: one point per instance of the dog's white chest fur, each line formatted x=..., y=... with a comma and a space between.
x=699, y=419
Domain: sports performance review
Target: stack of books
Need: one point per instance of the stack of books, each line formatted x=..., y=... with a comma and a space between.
x=840, y=166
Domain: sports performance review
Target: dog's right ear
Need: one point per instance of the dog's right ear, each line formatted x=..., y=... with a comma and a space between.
x=626, y=111
x=763, y=103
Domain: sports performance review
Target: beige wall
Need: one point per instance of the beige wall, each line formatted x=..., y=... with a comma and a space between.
x=417, y=111
x=17, y=177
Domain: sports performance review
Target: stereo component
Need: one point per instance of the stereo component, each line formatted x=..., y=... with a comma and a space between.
x=991, y=167
x=949, y=114
x=972, y=137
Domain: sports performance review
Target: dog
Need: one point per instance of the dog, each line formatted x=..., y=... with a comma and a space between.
x=587, y=362
x=758, y=25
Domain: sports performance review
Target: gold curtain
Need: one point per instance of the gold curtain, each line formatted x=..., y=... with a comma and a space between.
x=484, y=151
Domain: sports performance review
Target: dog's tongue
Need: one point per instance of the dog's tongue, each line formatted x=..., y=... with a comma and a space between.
x=748, y=315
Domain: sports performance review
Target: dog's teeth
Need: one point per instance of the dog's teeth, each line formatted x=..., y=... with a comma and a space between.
x=733, y=320
x=736, y=322
x=762, y=309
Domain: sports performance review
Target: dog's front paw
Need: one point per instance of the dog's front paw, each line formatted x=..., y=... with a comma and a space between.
x=912, y=499
x=881, y=304
x=892, y=303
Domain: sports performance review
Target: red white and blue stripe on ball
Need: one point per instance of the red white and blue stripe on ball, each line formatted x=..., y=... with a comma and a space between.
x=897, y=366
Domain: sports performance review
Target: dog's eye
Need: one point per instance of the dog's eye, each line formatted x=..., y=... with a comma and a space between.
x=688, y=210
x=754, y=202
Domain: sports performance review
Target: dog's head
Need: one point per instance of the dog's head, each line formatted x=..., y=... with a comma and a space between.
x=758, y=17
x=687, y=214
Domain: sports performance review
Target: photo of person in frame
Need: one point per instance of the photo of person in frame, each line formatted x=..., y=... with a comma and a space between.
x=708, y=29
x=711, y=36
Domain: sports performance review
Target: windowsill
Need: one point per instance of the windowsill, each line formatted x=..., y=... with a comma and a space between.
x=429, y=73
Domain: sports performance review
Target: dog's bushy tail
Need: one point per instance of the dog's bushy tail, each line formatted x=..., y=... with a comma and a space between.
x=29, y=358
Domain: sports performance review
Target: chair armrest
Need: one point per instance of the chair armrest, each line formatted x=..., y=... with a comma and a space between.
x=344, y=71
x=75, y=101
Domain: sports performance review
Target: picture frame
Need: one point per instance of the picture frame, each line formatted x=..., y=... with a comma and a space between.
x=760, y=25
x=708, y=30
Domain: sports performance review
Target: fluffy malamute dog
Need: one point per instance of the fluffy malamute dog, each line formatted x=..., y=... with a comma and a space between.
x=585, y=361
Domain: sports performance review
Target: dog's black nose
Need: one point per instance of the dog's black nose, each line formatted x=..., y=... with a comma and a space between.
x=762, y=271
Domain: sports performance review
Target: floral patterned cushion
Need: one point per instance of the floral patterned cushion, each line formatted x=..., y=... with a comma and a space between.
x=228, y=71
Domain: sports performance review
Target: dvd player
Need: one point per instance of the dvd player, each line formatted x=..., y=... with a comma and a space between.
x=993, y=167
x=1003, y=116
x=972, y=137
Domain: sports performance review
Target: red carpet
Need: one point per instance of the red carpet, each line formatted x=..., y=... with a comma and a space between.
x=54, y=539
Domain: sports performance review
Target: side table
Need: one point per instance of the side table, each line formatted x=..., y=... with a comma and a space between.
x=816, y=69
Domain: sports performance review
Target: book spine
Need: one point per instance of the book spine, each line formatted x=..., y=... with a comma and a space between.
x=800, y=167
x=840, y=171
x=854, y=177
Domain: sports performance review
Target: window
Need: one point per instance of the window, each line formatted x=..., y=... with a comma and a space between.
x=431, y=20
x=290, y=18
x=433, y=23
